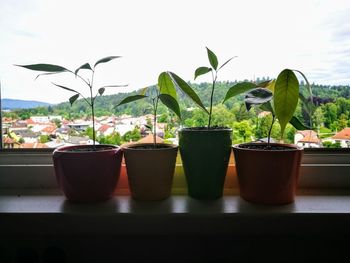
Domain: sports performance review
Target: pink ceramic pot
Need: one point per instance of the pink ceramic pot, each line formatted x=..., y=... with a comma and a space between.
x=268, y=176
x=87, y=175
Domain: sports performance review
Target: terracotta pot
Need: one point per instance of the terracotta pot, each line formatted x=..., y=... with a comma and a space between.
x=85, y=175
x=205, y=154
x=150, y=170
x=268, y=176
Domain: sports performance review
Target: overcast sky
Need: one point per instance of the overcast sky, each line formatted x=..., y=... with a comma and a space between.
x=157, y=35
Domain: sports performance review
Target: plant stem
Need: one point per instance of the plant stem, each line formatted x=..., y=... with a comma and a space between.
x=269, y=134
x=212, y=97
x=155, y=108
x=92, y=111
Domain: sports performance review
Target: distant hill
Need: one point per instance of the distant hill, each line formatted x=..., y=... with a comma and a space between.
x=10, y=104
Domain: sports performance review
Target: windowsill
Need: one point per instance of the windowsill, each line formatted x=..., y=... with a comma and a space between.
x=52, y=215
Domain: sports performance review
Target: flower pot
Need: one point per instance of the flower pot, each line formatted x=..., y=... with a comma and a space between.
x=205, y=155
x=268, y=176
x=87, y=175
x=150, y=170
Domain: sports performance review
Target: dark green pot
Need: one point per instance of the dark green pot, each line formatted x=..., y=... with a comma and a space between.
x=205, y=155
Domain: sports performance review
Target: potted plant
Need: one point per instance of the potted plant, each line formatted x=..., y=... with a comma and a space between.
x=268, y=172
x=150, y=167
x=205, y=151
x=85, y=173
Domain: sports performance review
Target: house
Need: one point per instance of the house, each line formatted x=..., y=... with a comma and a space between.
x=49, y=130
x=105, y=130
x=149, y=139
x=40, y=119
x=343, y=137
x=10, y=143
x=28, y=135
x=123, y=128
x=33, y=145
x=79, y=125
x=18, y=125
x=74, y=140
x=307, y=139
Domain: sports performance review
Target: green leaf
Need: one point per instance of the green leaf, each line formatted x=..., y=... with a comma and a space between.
x=257, y=96
x=286, y=97
x=201, y=71
x=85, y=66
x=73, y=99
x=106, y=59
x=101, y=91
x=183, y=85
x=307, y=82
x=44, y=67
x=263, y=84
x=226, y=62
x=166, y=85
x=239, y=88
x=131, y=99
x=271, y=85
x=143, y=91
x=212, y=59
x=297, y=124
x=171, y=103
x=49, y=73
x=63, y=87
x=267, y=106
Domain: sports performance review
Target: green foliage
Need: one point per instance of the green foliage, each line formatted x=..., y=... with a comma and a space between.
x=49, y=69
x=242, y=131
x=165, y=92
x=113, y=139
x=286, y=96
x=132, y=136
x=57, y=122
x=280, y=97
x=88, y=132
x=44, y=138
x=328, y=144
x=186, y=88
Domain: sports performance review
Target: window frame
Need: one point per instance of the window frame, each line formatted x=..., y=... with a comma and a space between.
x=27, y=169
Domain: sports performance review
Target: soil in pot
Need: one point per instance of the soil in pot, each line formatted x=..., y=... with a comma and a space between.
x=268, y=174
x=150, y=170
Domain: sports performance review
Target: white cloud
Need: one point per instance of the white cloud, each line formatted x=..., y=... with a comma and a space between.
x=157, y=35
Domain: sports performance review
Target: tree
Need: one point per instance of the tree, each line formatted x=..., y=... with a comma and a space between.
x=133, y=135
x=318, y=117
x=114, y=139
x=222, y=116
x=44, y=138
x=330, y=114
x=343, y=121
x=57, y=122
x=242, y=131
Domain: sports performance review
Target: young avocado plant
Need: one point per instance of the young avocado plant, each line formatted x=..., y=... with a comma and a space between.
x=205, y=151
x=50, y=69
x=280, y=97
x=214, y=70
x=268, y=173
x=165, y=92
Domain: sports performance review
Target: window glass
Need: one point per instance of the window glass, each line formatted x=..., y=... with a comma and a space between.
x=152, y=36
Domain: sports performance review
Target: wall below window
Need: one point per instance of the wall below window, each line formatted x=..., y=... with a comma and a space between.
x=179, y=229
